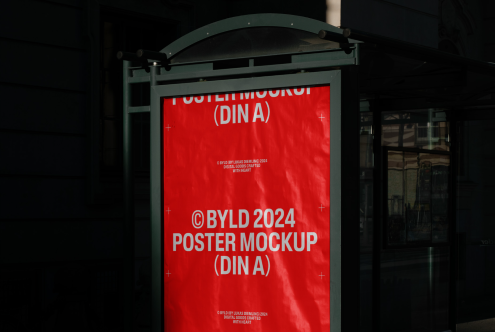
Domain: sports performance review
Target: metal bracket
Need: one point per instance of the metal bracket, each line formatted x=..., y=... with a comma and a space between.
x=133, y=57
x=151, y=55
x=342, y=39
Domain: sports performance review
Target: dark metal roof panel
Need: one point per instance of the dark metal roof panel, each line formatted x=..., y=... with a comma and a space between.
x=246, y=22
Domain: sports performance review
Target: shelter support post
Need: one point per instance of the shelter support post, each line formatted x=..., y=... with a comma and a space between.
x=453, y=237
x=155, y=206
x=377, y=218
x=128, y=209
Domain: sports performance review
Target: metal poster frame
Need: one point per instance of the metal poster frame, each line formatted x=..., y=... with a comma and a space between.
x=332, y=78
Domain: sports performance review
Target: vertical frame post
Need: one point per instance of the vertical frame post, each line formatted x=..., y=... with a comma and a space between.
x=156, y=209
x=336, y=207
x=453, y=238
x=377, y=218
x=128, y=209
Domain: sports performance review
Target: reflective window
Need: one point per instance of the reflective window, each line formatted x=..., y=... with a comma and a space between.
x=417, y=198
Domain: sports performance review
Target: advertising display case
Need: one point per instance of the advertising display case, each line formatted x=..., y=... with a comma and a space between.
x=246, y=175
x=246, y=202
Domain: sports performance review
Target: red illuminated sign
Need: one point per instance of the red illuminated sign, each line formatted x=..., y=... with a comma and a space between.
x=246, y=211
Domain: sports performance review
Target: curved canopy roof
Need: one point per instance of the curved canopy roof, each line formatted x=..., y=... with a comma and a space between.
x=251, y=35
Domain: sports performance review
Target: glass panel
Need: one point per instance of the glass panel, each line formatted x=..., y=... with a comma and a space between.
x=396, y=225
x=366, y=182
x=439, y=196
x=414, y=276
x=417, y=198
x=476, y=226
x=427, y=129
x=253, y=42
x=414, y=289
x=366, y=220
x=419, y=212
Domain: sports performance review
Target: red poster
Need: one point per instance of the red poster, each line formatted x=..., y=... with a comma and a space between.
x=246, y=211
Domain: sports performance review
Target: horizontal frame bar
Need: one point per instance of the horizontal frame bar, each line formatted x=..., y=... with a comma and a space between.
x=257, y=83
x=139, y=79
x=138, y=109
x=258, y=70
x=413, y=150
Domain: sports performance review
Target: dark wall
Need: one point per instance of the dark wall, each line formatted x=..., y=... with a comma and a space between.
x=488, y=10
x=414, y=21
x=206, y=12
x=61, y=234
x=455, y=26
x=61, y=219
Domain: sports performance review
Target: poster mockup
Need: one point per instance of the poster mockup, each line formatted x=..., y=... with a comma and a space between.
x=246, y=211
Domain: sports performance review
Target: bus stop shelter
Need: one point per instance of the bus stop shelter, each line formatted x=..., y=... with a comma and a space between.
x=337, y=144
